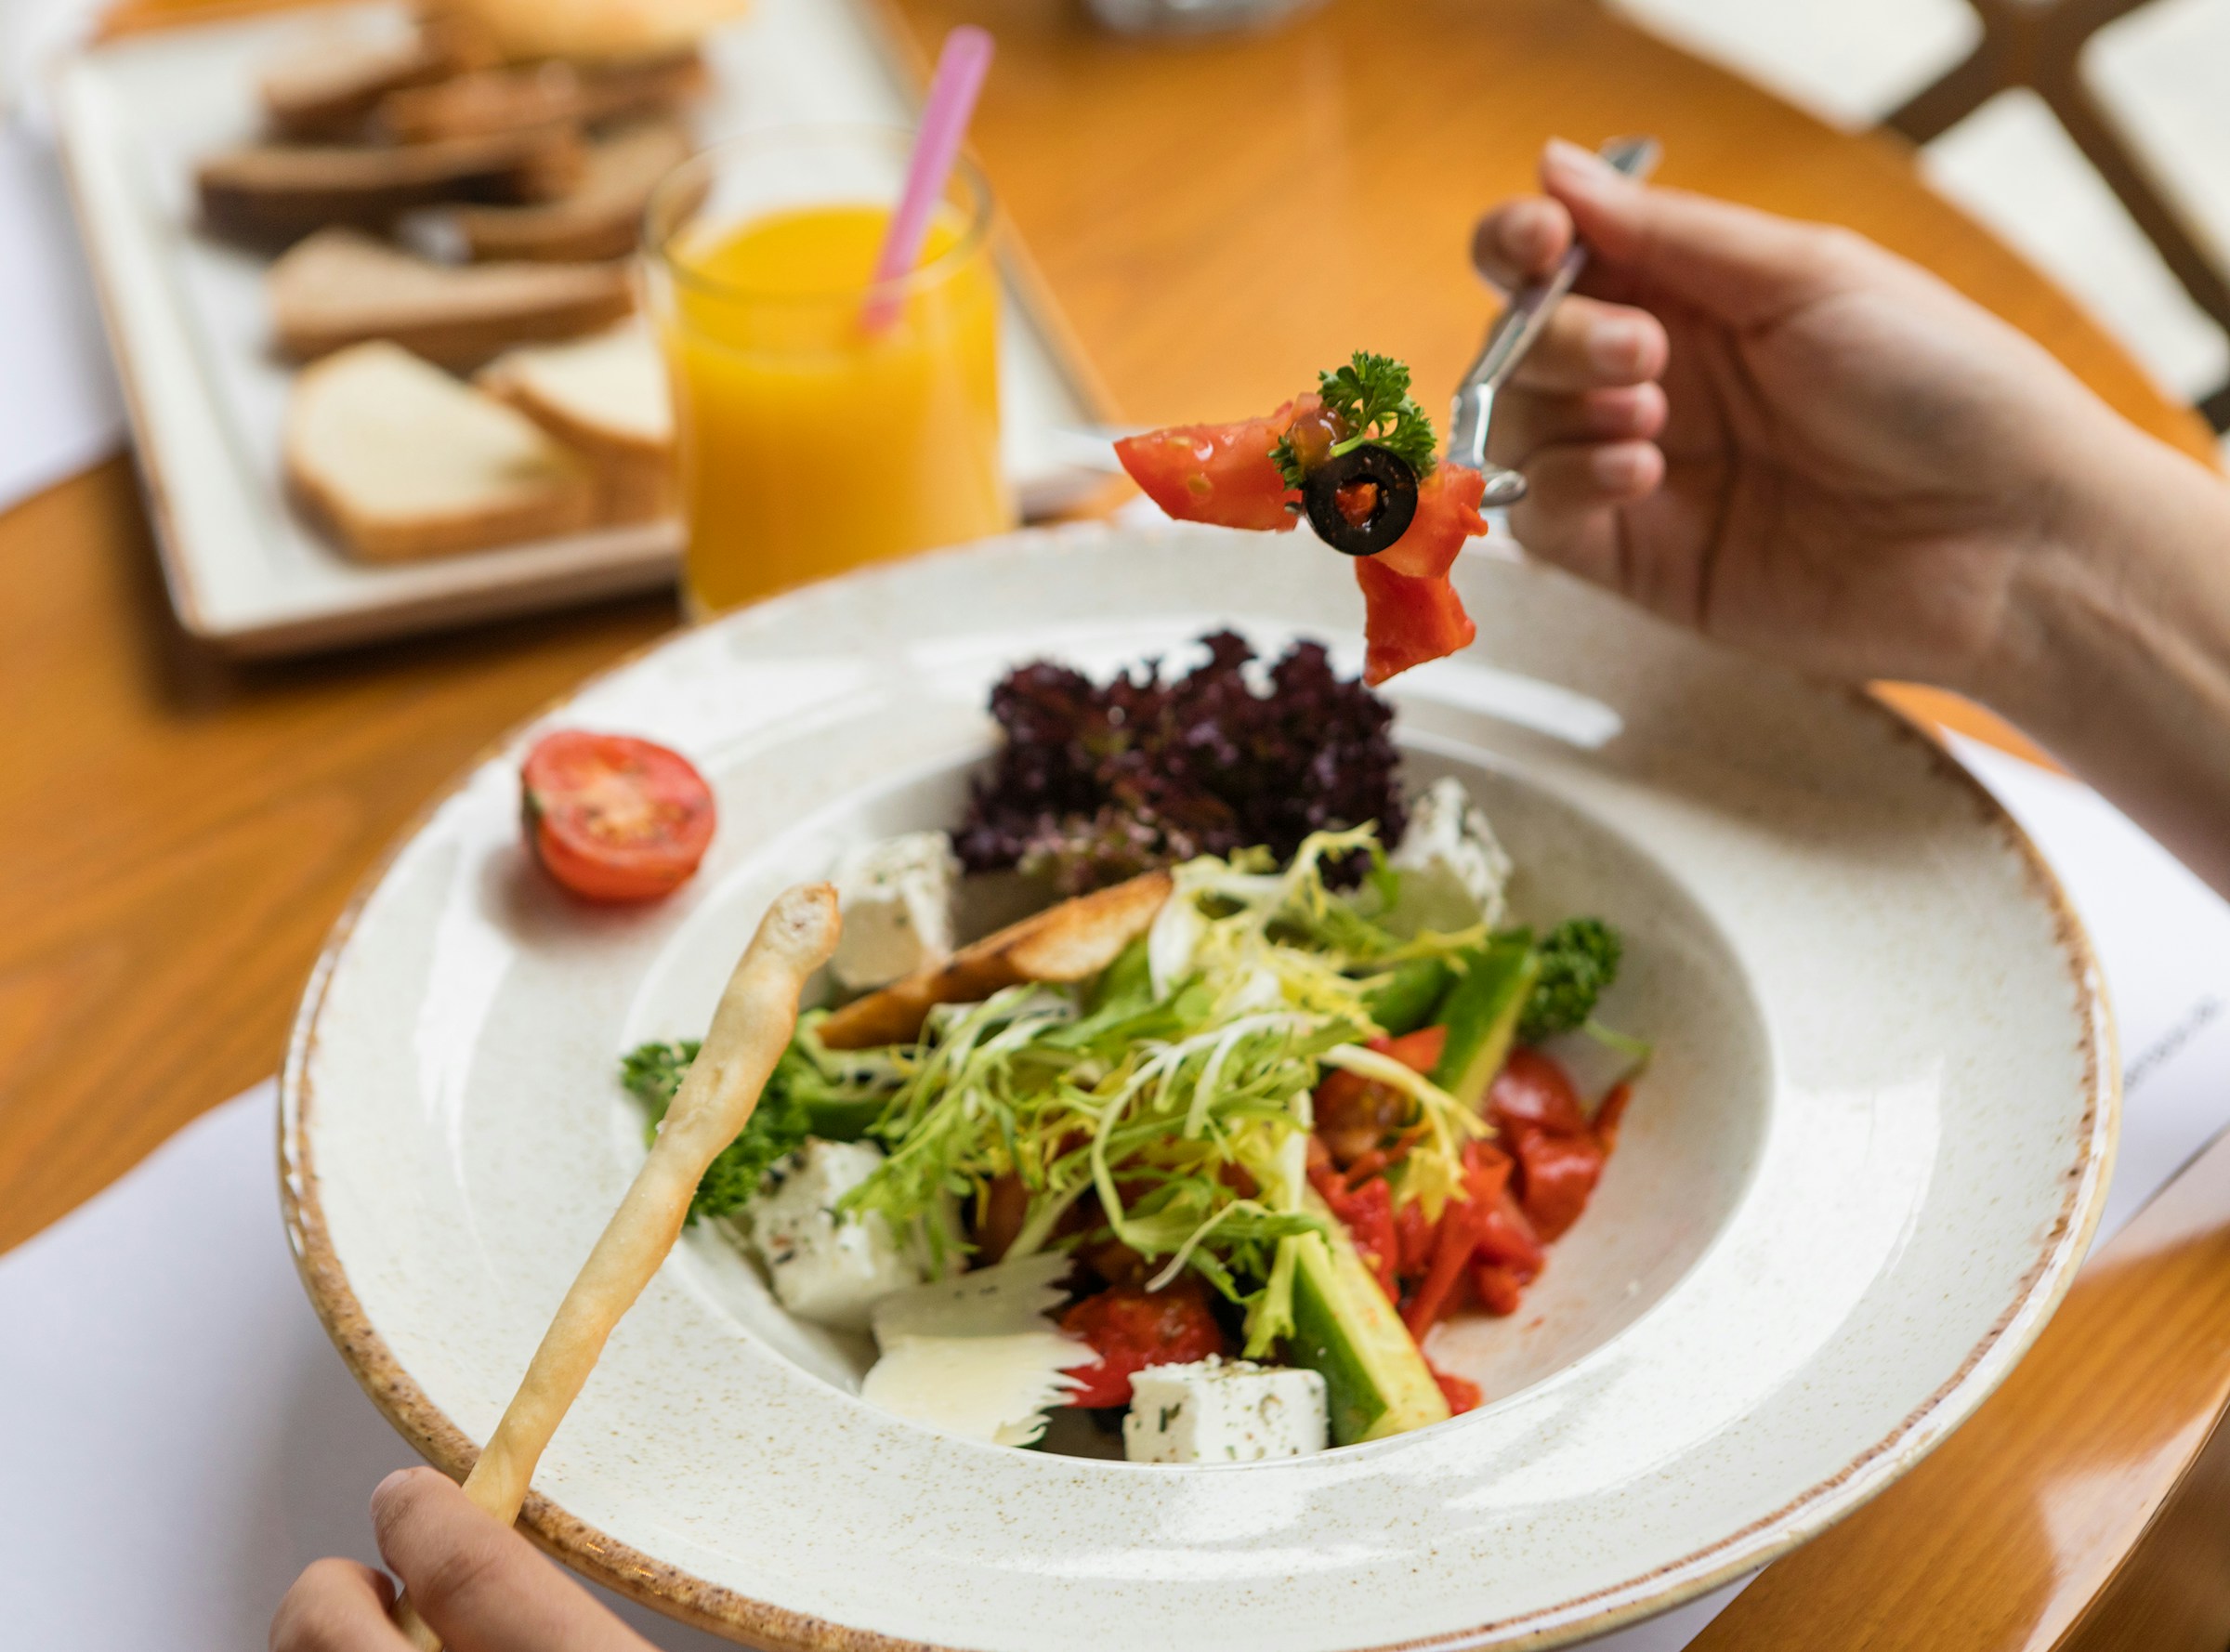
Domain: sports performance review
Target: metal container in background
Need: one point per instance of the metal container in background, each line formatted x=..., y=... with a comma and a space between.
x=1195, y=16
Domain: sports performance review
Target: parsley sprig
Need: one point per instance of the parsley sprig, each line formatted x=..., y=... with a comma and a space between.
x=1369, y=398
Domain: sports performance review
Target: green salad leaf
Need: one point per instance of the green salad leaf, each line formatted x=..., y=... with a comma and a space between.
x=1578, y=961
x=1369, y=399
x=1175, y=1089
x=811, y=1092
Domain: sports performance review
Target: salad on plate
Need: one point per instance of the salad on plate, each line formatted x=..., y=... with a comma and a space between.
x=1206, y=1147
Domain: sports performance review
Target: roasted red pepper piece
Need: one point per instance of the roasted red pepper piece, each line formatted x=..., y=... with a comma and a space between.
x=1499, y=1287
x=1607, y=1115
x=1461, y=1393
x=1560, y=1172
x=1367, y=1215
x=1559, y=1155
x=1131, y=1328
x=1413, y=1235
x=1463, y=1225
x=1507, y=1238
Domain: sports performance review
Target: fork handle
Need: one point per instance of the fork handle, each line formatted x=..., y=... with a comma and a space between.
x=1523, y=322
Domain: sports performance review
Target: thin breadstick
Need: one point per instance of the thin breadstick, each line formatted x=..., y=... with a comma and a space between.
x=749, y=1030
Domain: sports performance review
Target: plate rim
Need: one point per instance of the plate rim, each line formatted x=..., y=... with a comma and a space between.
x=679, y=1593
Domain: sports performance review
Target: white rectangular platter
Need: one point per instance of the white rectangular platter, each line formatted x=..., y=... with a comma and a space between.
x=187, y=318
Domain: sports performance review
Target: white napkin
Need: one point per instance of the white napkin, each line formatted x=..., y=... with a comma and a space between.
x=60, y=407
x=181, y=1438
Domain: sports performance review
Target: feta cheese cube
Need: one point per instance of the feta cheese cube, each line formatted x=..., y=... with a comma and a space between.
x=824, y=1269
x=896, y=900
x=1221, y=1410
x=1453, y=873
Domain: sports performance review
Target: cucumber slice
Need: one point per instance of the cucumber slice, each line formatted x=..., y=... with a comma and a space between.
x=1407, y=998
x=1345, y=1330
x=844, y=1119
x=1481, y=1013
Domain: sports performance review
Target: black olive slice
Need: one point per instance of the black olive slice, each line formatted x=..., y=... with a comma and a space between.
x=1391, y=477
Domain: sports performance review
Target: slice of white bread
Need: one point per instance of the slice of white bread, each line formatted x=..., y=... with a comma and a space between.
x=340, y=287
x=275, y=192
x=400, y=461
x=605, y=395
x=601, y=218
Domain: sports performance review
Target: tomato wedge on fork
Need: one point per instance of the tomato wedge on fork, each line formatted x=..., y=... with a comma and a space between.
x=613, y=818
x=1227, y=475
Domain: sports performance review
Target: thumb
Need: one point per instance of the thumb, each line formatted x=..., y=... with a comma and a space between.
x=479, y=1584
x=1738, y=265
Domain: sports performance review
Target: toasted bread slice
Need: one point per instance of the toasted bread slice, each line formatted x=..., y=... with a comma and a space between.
x=327, y=89
x=531, y=94
x=1069, y=942
x=602, y=218
x=275, y=192
x=605, y=397
x=340, y=287
x=401, y=461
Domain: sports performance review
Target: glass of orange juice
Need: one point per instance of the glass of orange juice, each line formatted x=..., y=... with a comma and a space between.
x=812, y=440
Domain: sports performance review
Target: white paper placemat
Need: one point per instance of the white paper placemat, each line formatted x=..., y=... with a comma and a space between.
x=183, y=1439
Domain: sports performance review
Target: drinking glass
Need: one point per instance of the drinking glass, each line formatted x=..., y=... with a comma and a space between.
x=811, y=439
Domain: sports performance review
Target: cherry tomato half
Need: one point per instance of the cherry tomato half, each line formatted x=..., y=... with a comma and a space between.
x=1406, y=620
x=1218, y=473
x=1447, y=514
x=613, y=818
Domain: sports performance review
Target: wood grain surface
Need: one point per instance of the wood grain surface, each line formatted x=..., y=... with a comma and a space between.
x=2020, y=1532
x=177, y=833
x=1218, y=220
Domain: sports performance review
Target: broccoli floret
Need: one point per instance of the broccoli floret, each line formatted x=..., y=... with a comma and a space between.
x=1578, y=961
x=779, y=1125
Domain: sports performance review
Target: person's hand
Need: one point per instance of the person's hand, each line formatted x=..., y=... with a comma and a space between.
x=481, y=1585
x=1802, y=445
x=1781, y=434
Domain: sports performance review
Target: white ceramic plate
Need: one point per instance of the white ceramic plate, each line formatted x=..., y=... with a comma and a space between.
x=1848, y=1194
x=188, y=321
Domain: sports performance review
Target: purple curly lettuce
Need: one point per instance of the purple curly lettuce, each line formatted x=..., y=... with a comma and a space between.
x=1094, y=785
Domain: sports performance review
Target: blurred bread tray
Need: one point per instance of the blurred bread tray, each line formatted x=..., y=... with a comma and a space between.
x=367, y=278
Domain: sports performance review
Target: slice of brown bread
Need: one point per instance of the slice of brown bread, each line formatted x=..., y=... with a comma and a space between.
x=400, y=461
x=604, y=396
x=537, y=93
x=327, y=90
x=275, y=192
x=340, y=287
x=602, y=218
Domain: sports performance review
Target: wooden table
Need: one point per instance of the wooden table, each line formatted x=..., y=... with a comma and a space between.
x=1218, y=220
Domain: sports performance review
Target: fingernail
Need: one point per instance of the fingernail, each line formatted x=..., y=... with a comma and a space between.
x=1615, y=346
x=389, y=1486
x=1576, y=164
x=1531, y=231
x=1620, y=470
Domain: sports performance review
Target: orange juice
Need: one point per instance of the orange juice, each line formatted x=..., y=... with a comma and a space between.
x=808, y=443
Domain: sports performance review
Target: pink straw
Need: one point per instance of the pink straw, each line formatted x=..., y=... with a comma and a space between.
x=960, y=71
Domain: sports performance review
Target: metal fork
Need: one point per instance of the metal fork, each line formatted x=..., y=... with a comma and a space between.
x=1513, y=332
